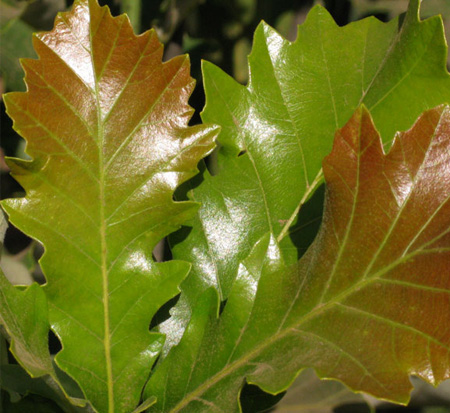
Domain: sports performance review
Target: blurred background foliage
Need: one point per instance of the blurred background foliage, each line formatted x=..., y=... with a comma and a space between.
x=219, y=31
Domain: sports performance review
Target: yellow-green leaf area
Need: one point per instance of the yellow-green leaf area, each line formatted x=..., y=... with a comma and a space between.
x=106, y=125
x=369, y=302
x=277, y=129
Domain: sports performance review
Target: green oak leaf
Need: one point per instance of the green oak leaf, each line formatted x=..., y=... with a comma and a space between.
x=106, y=125
x=368, y=304
x=276, y=131
x=24, y=317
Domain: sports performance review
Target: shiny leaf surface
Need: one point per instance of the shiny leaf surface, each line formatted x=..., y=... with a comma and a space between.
x=24, y=318
x=106, y=125
x=368, y=304
x=276, y=131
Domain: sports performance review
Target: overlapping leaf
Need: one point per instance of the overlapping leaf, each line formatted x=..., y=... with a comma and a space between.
x=282, y=125
x=309, y=394
x=15, y=38
x=15, y=380
x=368, y=304
x=106, y=125
x=24, y=318
x=24, y=314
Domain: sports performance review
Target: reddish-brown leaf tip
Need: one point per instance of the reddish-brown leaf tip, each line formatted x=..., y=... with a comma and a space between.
x=384, y=266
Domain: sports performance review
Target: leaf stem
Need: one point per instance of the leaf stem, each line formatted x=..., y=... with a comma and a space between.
x=133, y=9
x=103, y=241
x=310, y=189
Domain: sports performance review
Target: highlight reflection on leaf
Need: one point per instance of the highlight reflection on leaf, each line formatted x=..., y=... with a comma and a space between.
x=366, y=304
x=284, y=121
x=98, y=97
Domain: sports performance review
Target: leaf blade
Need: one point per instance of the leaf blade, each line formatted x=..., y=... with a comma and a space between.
x=329, y=311
x=298, y=95
x=99, y=96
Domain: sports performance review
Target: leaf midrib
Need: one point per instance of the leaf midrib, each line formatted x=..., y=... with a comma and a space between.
x=317, y=180
x=103, y=165
x=315, y=312
x=388, y=55
x=242, y=361
x=103, y=242
x=405, y=202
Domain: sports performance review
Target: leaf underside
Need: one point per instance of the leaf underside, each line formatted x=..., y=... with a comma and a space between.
x=106, y=124
x=309, y=394
x=368, y=304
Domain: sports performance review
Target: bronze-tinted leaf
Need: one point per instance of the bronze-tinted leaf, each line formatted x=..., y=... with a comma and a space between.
x=277, y=130
x=106, y=123
x=368, y=304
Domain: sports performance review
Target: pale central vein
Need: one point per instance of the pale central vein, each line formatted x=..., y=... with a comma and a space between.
x=314, y=185
x=103, y=249
x=258, y=349
x=342, y=247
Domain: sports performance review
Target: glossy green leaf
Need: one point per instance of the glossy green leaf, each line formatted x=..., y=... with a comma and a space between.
x=276, y=131
x=368, y=304
x=24, y=317
x=106, y=124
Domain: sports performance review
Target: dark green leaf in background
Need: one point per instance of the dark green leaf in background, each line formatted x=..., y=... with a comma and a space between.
x=14, y=378
x=15, y=38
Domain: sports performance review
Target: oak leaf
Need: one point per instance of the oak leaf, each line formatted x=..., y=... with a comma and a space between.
x=368, y=304
x=106, y=125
